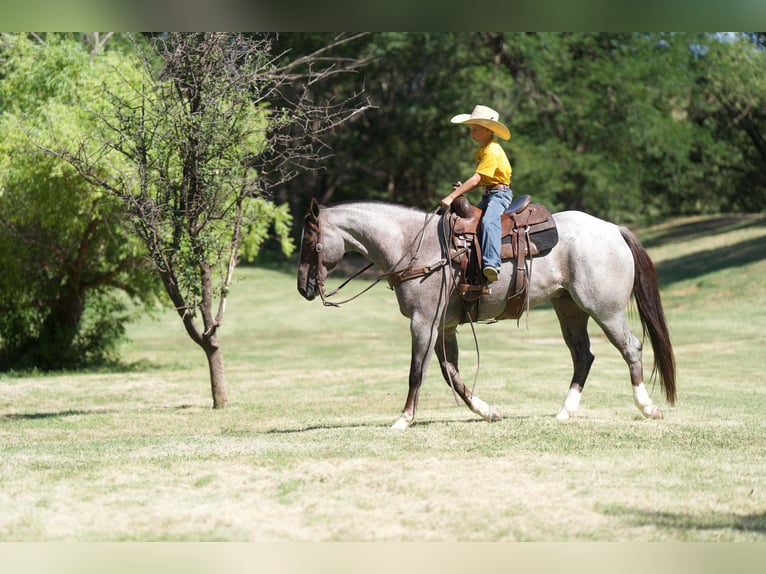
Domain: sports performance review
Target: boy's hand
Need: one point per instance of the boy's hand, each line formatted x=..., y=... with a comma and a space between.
x=446, y=202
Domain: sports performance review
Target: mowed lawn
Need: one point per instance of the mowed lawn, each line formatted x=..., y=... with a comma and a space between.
x=304, y=451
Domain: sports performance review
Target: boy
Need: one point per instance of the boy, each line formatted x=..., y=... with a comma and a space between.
x=493, y=172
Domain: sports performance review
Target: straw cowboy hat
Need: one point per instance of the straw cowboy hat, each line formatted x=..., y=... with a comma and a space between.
x=485, y=117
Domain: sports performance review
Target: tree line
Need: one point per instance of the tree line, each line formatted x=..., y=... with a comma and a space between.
x=626, y=126
x=141, y=169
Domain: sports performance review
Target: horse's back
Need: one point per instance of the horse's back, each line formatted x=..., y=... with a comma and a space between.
x=591, y=260
x=587, y=231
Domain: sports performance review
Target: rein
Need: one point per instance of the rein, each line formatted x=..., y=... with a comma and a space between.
x=447, y=231
x=324, y=296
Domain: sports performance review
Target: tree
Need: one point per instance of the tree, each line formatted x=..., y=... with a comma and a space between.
x=602, y=118
x=65, y=250
x=730, y=104
x=405, y=150
x=627, y=126
x=597, y=119
x=210, y=128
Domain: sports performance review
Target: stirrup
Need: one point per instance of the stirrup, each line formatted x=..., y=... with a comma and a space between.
x=473, y=292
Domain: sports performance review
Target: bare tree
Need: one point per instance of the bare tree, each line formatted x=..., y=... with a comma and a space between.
x=212, y=125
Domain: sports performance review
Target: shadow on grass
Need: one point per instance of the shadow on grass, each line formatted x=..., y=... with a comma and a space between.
x=327, y=426
x=51, y=415
x=689, y=521
x=81, y=412
x=700, y=229
x=419, y=423
x=703, y=262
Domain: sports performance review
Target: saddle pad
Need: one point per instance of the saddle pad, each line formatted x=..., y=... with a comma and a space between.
x=541, y=243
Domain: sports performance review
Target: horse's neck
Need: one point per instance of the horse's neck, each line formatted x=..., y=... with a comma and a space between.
x=383, y=233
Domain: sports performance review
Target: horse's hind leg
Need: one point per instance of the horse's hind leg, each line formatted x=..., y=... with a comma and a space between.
x=447, y=352
x=574, y=328
x=618, y=331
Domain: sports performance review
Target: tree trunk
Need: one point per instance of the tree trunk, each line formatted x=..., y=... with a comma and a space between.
x=214, y=354
x=54, y=346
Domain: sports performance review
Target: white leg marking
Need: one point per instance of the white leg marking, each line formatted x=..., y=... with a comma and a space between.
x=644, y=402
x=570, y=406
x=403, y=422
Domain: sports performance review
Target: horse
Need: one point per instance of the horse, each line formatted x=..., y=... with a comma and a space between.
x=591, y=272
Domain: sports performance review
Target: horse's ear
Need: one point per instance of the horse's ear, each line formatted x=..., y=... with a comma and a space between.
x=314, y=209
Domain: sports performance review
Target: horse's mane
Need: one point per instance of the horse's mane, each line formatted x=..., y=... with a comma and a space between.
x=379, y=205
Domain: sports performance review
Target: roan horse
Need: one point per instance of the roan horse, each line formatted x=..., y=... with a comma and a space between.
x=592, y=272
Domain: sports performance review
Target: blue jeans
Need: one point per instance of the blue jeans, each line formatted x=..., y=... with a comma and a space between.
x=494, y=204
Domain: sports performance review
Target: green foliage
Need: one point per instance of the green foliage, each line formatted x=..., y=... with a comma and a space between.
x=627, y=126
x=405, y=149
x=261, y=216
x=34, y=341
x=730, y=105
x=63, y=242
x=108, y=155
x=187, y=133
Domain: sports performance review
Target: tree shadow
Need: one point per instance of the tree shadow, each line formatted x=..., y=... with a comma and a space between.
x=755, y=522
x=703, y=262
x=80, y=412
x=698, y=229
x=51, y=415
x=708, y=261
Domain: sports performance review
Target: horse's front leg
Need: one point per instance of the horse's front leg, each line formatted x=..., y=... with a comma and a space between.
x=447, y=351
x=423, y=333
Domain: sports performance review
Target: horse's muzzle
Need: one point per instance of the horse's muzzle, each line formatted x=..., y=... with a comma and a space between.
x=307, y=287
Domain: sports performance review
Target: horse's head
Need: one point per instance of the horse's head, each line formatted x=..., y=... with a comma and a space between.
x=320, y=252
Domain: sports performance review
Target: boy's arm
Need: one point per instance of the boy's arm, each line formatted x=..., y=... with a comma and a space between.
x=462, y=188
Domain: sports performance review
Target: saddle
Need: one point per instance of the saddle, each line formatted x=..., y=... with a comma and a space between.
x=528, y=230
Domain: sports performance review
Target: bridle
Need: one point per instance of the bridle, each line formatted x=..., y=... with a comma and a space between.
x=311, y=244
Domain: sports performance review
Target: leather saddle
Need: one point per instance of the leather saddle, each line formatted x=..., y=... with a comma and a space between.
x=528, y=230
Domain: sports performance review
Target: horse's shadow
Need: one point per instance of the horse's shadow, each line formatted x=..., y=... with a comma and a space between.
x=419, y=423
x=754, y=522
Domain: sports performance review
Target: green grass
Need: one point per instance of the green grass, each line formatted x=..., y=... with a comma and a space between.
x=304, y=451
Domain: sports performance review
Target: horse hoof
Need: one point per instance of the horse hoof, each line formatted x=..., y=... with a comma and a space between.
x=652, y=412
x=494, y=415
x=565, y=414
x=402, y=423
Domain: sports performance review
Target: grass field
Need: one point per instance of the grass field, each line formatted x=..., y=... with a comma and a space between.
x=304, y=451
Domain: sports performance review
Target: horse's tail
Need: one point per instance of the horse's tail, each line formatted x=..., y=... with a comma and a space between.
x=646, y=290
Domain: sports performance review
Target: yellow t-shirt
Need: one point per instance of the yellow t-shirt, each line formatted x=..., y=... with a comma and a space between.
x=492, y=164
